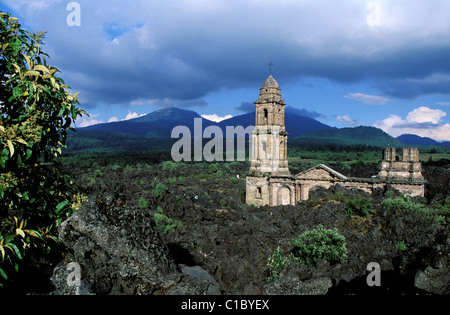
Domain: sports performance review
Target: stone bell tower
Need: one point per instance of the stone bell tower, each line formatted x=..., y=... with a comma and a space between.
x=408, y=168
x=269, y=138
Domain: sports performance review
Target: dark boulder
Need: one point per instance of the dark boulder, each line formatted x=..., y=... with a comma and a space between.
x=120, y=251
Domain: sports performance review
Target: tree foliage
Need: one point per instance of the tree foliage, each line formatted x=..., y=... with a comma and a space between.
x=37, y=111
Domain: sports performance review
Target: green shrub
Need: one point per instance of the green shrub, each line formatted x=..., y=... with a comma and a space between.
x=276, y=262
x=308, y=249
x=339, y=196
x=143, y=203
x=401, y=246
x=360, y=206
x=443, y=209
x=418, y=217
x=159, y=191
x=98, y=173
x=389, y=194
x=169, y=165
x=213, y=168
x=320, y=243
x=129, y=169
x=164, y=224
x=208, y=197
x=223, y=203
x=312, y=203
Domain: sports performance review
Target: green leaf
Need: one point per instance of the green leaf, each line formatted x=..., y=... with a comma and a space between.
x=29, y=153
x=16, y=250
x=61, y=206
x=9, y=238
x=61, y=111
x=3, y=274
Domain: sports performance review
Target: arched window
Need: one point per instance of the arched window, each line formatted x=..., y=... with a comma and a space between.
x=266, y=115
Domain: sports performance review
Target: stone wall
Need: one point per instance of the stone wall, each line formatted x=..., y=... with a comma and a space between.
x=257, y=191
x=275, y=190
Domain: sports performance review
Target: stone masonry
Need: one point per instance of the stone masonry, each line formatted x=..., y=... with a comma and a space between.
x=271, y=183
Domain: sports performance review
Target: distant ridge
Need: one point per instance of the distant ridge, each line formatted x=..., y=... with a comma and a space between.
x=158, y=124
x=171, y=113
x=410, y=139
x=154, y=130
x=161, y=123
x=361, y=135
x=295, y=125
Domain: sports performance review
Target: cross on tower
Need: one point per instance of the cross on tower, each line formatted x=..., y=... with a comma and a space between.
x=270, y=65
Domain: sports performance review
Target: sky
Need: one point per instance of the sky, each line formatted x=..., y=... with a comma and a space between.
x=382, y=63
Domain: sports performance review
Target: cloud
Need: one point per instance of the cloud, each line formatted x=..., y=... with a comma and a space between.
x=31, y=5
x=86, y=121
x=216, y=118
x=246, y=107
x=185, y=49
x=422, y=121
x=346, y=120
x=426, y=115
x=167, y=102
x=133, y=115
x=443, y=103
x=368, y=99
x=410, y=87
x=303, y=112
x=113, y=119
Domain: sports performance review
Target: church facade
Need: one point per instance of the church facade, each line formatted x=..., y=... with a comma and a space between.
x=271, y=183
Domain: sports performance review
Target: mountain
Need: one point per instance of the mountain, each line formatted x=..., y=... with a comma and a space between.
x=161, y=123
x=169, y=114
x=158, y=124
x=410, y=139
x=295, y=125
x=369, y=136
x=156, y=128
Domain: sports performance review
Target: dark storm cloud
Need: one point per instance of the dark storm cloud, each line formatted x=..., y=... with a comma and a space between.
x=246, y=107
x=182, y=50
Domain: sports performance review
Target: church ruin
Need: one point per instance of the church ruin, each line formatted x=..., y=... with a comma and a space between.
x=270, y=182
